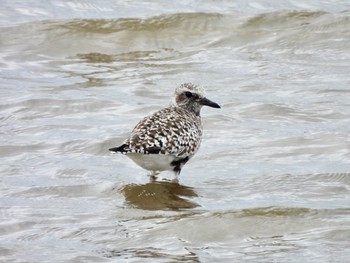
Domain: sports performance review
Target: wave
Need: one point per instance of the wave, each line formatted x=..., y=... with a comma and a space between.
x=191, y=31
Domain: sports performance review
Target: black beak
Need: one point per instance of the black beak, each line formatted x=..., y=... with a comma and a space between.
x=209, y=103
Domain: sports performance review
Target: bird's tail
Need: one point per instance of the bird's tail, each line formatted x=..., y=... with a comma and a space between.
x=119, y=149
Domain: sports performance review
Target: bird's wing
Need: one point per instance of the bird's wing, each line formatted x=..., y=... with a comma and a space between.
x=167, y=131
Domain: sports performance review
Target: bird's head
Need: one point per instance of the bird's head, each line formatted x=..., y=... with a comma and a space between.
x=192, y=98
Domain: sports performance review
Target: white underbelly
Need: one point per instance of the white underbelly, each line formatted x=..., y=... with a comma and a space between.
x=153, y=162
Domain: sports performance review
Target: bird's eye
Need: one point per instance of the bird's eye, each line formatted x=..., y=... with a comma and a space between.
x=188, y=94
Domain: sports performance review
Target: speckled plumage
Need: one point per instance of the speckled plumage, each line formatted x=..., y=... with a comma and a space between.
x=168, y=138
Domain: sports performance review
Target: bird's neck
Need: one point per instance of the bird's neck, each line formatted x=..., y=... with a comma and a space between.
x=192, y=109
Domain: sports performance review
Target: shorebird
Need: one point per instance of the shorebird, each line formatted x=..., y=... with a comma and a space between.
x=168, y=138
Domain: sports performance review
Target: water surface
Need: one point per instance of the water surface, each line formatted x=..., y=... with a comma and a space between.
x=271, y=182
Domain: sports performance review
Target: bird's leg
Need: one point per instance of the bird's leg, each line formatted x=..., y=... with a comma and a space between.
x=153, y=176
x=176, y=177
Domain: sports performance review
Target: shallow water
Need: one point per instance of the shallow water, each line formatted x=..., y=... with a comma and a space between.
x=271, y=182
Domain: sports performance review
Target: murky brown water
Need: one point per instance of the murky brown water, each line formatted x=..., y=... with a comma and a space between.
x=271, y=182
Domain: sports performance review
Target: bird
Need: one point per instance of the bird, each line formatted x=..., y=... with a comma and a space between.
x=167, y=139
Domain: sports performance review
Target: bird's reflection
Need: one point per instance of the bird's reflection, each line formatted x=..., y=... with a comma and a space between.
x=159, y=196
